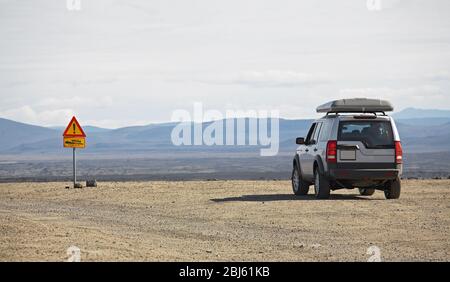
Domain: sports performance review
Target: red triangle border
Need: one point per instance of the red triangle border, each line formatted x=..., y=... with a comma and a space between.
x=74, y=135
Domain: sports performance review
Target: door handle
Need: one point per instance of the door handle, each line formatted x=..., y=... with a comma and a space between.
x=306, y=150
x=315, y=149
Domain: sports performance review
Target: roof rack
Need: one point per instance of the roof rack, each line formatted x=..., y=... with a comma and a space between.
x=356, y=112
x=356, y=105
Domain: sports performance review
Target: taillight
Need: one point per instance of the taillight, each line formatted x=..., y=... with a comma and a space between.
x=332, y=151
x=398, y=152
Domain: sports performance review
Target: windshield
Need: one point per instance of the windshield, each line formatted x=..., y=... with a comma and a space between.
x=373, y=134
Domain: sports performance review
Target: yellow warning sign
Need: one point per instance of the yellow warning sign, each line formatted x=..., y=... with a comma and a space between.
x=74, y=142
x=74, y=129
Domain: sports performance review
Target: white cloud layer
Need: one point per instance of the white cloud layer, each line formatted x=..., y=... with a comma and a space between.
x=47, y=117
x=128, y=62
x=278, y=78
x=422, y=96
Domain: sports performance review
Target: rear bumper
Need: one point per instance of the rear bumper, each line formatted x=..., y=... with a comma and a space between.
x=364, y=174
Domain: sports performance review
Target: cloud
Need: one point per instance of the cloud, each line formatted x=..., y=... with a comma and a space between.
x=439, y=76
x=268, y=78
x=88, y=82
x=27, y=114
x=56, y=111
x=378, y=5
x=424, y=95
x=153, y=57
x=77, y=101
x=278, y=78
x=423, y=90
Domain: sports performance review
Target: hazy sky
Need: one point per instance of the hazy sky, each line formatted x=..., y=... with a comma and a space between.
x=125, y=62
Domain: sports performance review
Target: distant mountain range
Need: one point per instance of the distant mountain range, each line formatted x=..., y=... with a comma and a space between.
x=420, y=130
x=414, y=113
x=87, y=128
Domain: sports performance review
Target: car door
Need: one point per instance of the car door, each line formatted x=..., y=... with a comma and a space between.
x=323, y=139
x=313, y=150
x=304, y=156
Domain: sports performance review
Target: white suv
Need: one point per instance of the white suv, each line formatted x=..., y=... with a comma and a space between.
x=354, y=145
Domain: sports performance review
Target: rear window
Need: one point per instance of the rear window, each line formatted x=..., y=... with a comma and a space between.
x=373, y=134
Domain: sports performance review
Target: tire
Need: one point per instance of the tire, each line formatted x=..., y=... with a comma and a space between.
x=321, y=185
x=366, y=191
x=392, y=189
x=299, y=186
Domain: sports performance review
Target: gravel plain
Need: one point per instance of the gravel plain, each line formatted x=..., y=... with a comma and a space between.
x=221, y=221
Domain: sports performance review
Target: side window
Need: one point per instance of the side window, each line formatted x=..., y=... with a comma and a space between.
x=317, y=131
x=325, y=134
x=310, y=133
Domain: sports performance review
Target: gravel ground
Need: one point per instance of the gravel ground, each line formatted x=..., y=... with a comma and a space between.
x=221, y=221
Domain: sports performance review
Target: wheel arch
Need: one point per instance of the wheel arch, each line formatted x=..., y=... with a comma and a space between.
x=318, y=163
x=296, y=163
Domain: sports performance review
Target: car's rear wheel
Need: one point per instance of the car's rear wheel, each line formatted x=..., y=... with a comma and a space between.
x=392, y=189
x=321, y=185
x=366, y=191
x=299, y=186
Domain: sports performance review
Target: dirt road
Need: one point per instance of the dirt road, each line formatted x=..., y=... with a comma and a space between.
x=221, y=220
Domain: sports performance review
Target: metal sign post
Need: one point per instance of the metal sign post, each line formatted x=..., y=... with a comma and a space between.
x=74, y=168
x=74, y=137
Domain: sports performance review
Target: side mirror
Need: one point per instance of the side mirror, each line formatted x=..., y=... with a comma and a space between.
x=300, y=141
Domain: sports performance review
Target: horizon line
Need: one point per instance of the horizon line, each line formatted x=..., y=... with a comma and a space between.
x=205, y=121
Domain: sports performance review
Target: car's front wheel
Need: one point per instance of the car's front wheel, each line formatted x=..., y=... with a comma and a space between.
x=392, y=189
x=321, y=185
x=299, y=186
